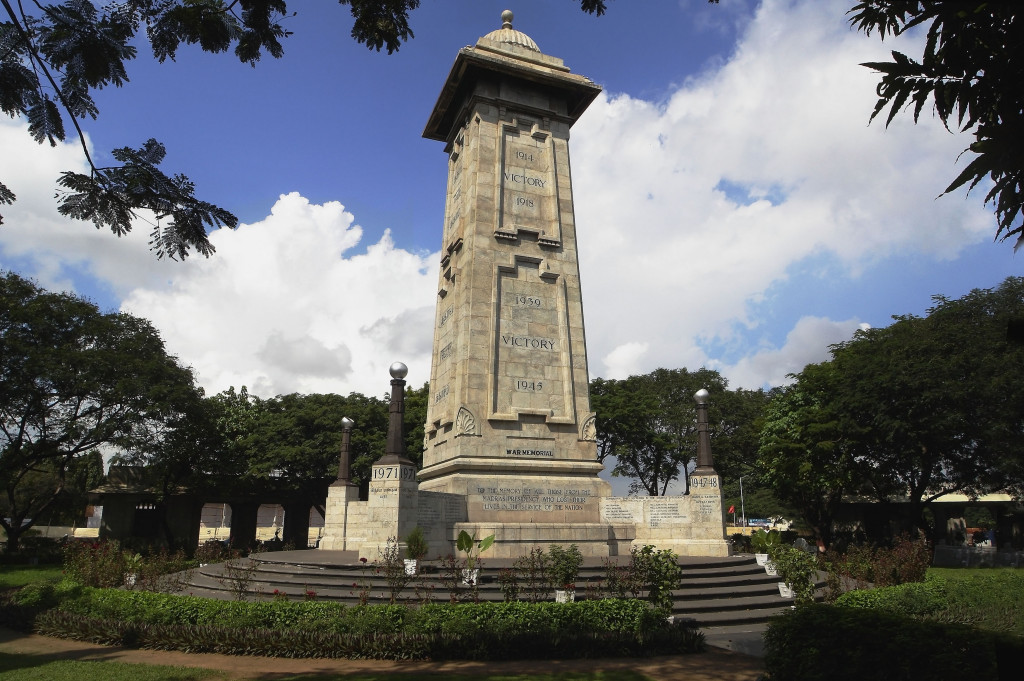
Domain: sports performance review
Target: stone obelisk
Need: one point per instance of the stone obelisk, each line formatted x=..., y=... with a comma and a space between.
x=509, y=424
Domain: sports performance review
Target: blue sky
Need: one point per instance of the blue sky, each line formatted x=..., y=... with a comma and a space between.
x=734, y=209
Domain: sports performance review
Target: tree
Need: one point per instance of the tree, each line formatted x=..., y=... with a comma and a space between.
x=803, y=456
x=51, y=63
x=73, y=381
x=296, y=439
x=971, y=72
x=925, y=407
x=649, y=423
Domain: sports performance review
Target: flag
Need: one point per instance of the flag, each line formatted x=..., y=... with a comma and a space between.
x=732, y=509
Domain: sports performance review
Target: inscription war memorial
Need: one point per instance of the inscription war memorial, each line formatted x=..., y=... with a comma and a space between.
x=510, y=443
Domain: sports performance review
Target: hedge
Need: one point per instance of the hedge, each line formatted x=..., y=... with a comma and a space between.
x=326, y=629
x=831, y=643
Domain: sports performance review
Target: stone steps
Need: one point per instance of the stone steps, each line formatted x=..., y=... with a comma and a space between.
x=719, y=594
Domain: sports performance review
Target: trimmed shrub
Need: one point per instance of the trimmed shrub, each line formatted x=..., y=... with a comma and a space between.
x=987, y=601
x=829, y=643
x=440, y=631
x=914, y=599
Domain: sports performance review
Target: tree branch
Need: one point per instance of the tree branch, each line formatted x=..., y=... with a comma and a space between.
x=34, y=55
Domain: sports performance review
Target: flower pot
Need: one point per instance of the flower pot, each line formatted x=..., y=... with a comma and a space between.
x=564, y=596
x=785, y=590
x=769, y=567
x=410, y=566
x=761, y=558
x=471, y=577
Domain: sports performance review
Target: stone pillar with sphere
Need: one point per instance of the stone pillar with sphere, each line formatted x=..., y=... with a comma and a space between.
x=390, y=511
x=340, y=495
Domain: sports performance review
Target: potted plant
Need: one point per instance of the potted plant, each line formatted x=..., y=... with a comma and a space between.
x=564, y=568
x=415, y=548
x=796, y=568
x=466, y=543
x=763, y=542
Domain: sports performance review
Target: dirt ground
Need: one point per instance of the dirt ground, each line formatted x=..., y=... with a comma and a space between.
x=714, y=665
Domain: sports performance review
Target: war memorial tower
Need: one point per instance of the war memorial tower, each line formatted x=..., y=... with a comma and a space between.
x=509, y=424
x=510, y=444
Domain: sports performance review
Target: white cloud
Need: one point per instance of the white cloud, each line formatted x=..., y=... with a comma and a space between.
x=688, y=211
x=624, y=361
x=807, y=342
x=35, y=233
x=282, y=308
x=669, y=256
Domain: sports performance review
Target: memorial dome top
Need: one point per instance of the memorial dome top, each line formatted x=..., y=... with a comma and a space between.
x=508, y=35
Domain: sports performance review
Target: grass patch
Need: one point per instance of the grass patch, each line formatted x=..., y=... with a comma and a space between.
x=34, y=668
x=988, y=598
x=971, y=573
x=610, y=675
x=16, y=576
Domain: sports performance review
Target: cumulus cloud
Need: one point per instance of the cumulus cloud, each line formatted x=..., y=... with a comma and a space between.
x=689, y=209
x=807, y=342
x=284, y=307
x=51, y=247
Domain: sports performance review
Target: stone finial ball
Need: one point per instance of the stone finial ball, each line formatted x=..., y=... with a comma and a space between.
x=398, y=370
x=506, y=18
x=346, y=422
x=701, y=396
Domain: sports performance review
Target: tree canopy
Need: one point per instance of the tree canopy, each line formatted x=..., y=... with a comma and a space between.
x=925, y=407
x=971, y=73
x=53, y=60
x=73, y=381
x=296, y=439
x=648, y=423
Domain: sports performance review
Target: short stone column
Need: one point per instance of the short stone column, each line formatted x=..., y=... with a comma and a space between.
x=296, y=524
x=243, y=524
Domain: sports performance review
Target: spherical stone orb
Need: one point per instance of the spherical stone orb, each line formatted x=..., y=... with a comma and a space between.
x=506, y=17
x=398, y=370
x=701, y=396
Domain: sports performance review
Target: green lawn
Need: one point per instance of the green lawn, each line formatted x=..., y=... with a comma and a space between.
x=33, y=668
x=12, y=576
x=616, y=675
x=971, y=573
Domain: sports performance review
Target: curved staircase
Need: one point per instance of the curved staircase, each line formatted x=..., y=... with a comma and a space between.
x=726, y=597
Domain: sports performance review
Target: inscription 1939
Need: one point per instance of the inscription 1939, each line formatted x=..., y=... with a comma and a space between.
x=527, y=301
